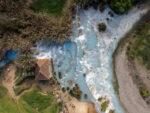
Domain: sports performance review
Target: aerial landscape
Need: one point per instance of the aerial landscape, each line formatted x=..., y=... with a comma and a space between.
x=74, y=56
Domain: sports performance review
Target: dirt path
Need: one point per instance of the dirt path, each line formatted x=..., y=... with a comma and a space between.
x=9, y=80
x=128, y=92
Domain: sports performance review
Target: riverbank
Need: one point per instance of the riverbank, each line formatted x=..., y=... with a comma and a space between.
x=75, y=106
x=130, y=76
x=57, y=100
x=129, y=94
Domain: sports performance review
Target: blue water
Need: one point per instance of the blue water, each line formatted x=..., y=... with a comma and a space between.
x=90, y=53
x=9, y=56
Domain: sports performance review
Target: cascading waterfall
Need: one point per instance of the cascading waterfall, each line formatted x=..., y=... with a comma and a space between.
x=90, y=53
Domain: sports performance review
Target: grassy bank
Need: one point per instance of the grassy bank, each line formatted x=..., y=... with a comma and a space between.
x=50, y=6
x=139, y=47
x=30, y=102
x=126, y=39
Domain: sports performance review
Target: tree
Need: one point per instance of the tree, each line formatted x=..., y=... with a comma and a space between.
x=102, y=27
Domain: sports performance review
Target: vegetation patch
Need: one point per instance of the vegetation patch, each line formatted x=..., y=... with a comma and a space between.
x=76, y=92
x=100, y=99
x=85, y=96
x=30, y=102
x=104, y=106
x=102, y=27
x=18, y=73
x=121, y=6
x=3, y=91
x=140, y=46
x=26, y=62
x=112, y=111
x=38, y=100
x=60, y=75
x=144, y=93
x=20, y=89
x=54, y=108
x=49, y=6
x=7, y=105
x=21, y=76
x=64, y=89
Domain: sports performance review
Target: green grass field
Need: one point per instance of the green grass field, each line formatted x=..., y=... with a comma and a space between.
x=49, y=6
x=38, y=100
x=7, y=105
x=30, y=102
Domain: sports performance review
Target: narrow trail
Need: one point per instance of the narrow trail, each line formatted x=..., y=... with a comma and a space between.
x=9, y=81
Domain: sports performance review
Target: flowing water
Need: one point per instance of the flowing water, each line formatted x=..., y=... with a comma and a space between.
x=86, y=59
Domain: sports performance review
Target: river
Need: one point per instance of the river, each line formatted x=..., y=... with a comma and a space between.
x=89, y=53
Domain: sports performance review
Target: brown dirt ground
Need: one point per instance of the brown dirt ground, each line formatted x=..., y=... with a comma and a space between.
x=9, y=81
x=128, y=89
x=75, y=106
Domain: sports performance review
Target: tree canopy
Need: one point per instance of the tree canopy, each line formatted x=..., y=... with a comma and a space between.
x=121, y=6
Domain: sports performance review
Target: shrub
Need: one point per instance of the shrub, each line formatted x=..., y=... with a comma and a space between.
x=68, y=88
x=76, y=92
x=60, y=75
x=131, y=55
x=101, y=8
x=144, y=93
x=84, y=75
x=26, y=62
x=100, y=98
x=101, y=27
x=112, y=111
x=111, y=14
x=104, y=105
x=85, y=96
x=128, y=48
x=148, y=102
x=63, y=89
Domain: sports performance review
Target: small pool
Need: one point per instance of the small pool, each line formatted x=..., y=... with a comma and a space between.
x=9, y=56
